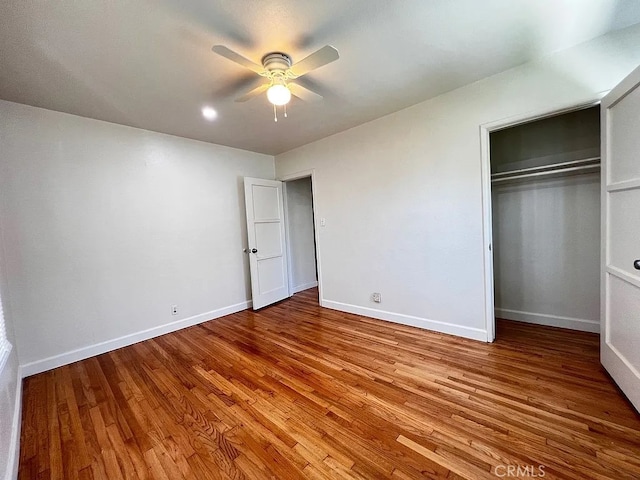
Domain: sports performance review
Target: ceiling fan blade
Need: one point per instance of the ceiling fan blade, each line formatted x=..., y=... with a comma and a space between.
x=304, y=93
x=253, y=93
x=326, y=54
x=243, y=83
x=236, y=57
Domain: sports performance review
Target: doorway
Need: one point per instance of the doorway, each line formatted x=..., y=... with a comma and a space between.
x=301, y=235
x=282, y=226
x=541, y=195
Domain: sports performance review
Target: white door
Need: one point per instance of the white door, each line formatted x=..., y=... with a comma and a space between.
x=620, y=330
x=265, y=229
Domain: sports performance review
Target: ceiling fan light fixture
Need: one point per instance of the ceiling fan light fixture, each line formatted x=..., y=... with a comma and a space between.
x=279, y=94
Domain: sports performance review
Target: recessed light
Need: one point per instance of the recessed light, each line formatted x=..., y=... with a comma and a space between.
x=209, y=113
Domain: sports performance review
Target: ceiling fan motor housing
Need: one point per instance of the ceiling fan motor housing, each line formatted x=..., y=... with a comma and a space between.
x=276, y=61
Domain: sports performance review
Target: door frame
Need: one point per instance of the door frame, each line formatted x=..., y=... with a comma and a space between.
x=485, y=167
x=311, y=173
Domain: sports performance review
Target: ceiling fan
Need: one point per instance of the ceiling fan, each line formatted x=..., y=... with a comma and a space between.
x=279, y=73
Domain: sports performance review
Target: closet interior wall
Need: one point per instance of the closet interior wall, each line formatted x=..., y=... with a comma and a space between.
x=546, y=225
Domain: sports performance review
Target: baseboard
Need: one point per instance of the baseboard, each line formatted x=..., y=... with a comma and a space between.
x=66, y=358
x=14, y=446
x=441, y=327
x=304, y=286
x=581, y=324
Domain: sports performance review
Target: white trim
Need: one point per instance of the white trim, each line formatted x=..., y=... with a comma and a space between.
x=485, y=166
x=572, y=323
x=627, y=377
x=287, y=238
x=520, y=119
x=297, y=175
x=437, y=326
x=304, y=286
x=5, y=345
x=605, y=154
x=55, y=361
x=487, y=234
x=621, y=90
x=316, y=218
x=622, y=275
x=5, y=350
x=13, y=462
x=621, y=186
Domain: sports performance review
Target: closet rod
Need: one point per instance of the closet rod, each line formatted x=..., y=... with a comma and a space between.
x=547, y=172
x=554, y=166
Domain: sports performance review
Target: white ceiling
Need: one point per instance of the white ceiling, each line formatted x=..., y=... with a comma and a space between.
x=148, y=63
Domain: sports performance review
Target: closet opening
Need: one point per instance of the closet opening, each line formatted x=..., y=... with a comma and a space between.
x=301, y=236
x=545, y=229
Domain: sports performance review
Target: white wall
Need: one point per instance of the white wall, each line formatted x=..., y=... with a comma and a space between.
x=302, y=251
x=107, y=226
x=546, y=238
x=402, y=194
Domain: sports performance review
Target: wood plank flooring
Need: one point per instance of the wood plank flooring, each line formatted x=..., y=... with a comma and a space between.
x=297, y=391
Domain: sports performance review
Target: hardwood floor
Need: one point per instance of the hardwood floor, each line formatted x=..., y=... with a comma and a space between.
x=299, y=391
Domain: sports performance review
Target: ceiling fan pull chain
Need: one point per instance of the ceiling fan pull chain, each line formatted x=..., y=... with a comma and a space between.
x=275, y=114
x=285, y=110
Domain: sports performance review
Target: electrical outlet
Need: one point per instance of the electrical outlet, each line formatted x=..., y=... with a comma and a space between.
x=376, y=297
x=174, y=309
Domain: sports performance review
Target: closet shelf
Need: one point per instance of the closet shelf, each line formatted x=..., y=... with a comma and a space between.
x=575, y=167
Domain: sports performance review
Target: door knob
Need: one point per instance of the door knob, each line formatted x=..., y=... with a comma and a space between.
x=255, y=250
x=636, y=264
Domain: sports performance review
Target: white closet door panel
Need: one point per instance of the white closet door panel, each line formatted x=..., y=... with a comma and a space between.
x=271, y=277
x=623, y=304
x=624, y=220
x=269, y=237
x=265, y=202
x=625, y=138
